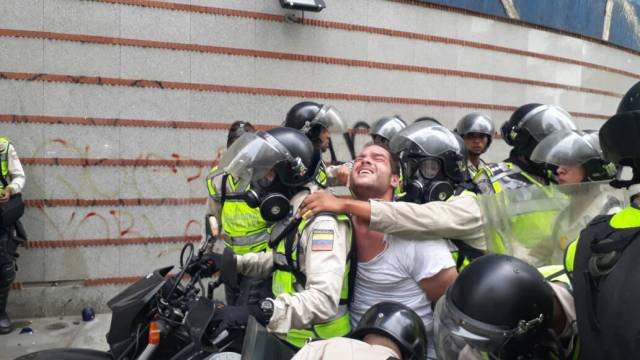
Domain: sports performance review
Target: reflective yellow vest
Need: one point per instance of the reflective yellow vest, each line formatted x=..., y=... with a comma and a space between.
x=245, y=228
x=4, y=159
x=285, y=280
x=528, y=226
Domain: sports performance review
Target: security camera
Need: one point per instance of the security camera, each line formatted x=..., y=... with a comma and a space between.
x=306, y=5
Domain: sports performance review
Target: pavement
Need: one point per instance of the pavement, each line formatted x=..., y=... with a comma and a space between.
x=55, y=332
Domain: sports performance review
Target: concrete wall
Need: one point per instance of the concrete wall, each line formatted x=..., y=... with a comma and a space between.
x=117, y=110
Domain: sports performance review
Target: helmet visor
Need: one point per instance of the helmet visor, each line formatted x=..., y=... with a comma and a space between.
x=251, y=157
x=330, y=118
x=387, y=127
x=456, y=332
x=425, y=139
x=567, y=148
x=546, y=119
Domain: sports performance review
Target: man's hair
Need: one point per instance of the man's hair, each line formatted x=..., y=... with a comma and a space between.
x=394, y=162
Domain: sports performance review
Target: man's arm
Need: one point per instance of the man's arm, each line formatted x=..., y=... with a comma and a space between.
x=15, y=171
x=324, y=245
x=255, y=264
x=458, y=218
x=435, y=286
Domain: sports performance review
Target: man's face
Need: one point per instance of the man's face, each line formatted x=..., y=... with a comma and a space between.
x=371, y=176
x=476, y=143
x=571, y=174
x=325, y=137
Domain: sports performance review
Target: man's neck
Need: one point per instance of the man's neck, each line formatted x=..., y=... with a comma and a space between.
x=370, y=243
x=474, y=159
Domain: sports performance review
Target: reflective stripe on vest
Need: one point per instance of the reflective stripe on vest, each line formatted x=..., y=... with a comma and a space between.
x=245, y=228
x=4, y=159
x=625, y=219
x=285, y=282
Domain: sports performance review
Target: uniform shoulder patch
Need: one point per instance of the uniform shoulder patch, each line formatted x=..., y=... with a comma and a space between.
x=322, y=240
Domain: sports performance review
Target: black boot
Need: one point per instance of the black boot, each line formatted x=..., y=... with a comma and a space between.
x=5, y=323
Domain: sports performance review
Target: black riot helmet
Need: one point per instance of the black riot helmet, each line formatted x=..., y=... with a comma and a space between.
x=620, y=134
x=397, y=322
x=498, y=305
x=434, y=161
x=237, y=129
x=574, y=148
x=531, y=123
x=476, y=123
x=311, y=118
x=271, y=167
x=385, y=128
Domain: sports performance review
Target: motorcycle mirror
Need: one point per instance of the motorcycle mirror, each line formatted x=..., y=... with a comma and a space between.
x=229, y=269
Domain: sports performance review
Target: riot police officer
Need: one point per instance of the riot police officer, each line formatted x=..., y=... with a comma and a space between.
x=318, y=121
x=604, y=260
x=309, y=262
x=477, y=130
x=502, y=308
x=12, y=180
x=242, y=226
x=388, y=330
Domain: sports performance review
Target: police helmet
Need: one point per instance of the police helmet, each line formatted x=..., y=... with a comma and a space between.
x=476, y=123
x=311, y=117
x=498, y=305
x=574, y=148
x=620, y=134
x=423, y=140
x=428, y=119
x=237, y=129
x=386, y=127
x=531, y=123
x=399, y=323
x=288, y=151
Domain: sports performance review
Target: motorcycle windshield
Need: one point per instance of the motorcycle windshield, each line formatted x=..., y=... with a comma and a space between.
x=127, y=305
x=536, y=224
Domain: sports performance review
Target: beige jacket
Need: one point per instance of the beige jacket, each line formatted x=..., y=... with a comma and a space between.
x=458, y=218
x=344, y=349
x=323, y=266
x=16, y=178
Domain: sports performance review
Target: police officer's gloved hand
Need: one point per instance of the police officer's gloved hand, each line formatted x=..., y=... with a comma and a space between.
x=206, y=266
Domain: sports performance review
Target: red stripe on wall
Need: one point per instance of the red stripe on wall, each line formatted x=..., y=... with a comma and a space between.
x=117, y=162
x=57, y=244
x=39, y=203
x=366, y=29
x=93, y=80
x=295, y=57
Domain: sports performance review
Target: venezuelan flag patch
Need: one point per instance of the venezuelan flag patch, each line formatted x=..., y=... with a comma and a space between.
x=322, y=240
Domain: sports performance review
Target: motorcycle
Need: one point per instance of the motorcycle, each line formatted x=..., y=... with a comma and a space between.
x=160, y=317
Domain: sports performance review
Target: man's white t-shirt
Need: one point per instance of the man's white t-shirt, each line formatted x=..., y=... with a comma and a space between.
x=393, y=275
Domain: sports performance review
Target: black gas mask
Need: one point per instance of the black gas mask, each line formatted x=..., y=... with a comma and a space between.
x=270, y=196
x=426, y=181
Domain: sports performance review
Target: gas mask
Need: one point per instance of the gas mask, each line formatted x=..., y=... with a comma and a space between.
x=271, y=197
x=426, y=182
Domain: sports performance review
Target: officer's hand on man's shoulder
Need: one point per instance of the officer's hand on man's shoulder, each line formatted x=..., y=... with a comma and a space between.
x=320, y=201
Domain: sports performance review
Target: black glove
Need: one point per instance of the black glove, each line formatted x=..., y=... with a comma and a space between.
x=234, y=317
x=206, y=266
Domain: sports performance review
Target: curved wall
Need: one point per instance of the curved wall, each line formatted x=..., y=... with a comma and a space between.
x=118, y=107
